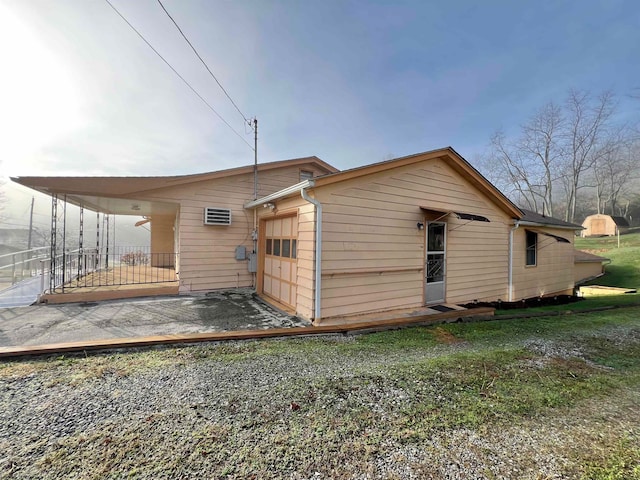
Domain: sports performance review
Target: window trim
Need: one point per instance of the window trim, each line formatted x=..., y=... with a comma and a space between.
x=531, y=247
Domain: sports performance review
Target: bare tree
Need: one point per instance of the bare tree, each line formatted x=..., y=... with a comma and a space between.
x=613, y=173
x=540, y=145
x=519, y=176
x=531, y=162
x=586, y=140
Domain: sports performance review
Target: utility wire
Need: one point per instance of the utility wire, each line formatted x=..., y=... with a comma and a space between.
x=179, y=76
x=204, y=63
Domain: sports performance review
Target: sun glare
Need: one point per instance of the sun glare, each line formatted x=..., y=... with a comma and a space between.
x=38, y=99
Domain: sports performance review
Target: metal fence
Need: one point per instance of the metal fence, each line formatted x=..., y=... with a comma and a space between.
x=119, y=266
x=18, y=266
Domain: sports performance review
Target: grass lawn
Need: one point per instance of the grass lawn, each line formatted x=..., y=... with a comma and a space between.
x=623, y=271
x=553, y=397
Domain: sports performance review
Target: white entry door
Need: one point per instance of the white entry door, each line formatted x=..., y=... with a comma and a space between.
x=435, y=262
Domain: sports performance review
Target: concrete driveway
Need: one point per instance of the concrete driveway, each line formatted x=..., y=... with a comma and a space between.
x=216, y=312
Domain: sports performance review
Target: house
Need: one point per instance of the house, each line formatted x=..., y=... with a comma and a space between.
x=418, y=230
x=588, y=266
x=604, y=225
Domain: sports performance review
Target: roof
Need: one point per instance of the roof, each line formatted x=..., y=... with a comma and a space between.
x=581, y=256
x=122, y=186
x=535, y=218
x=620, y=221
x=447, y=154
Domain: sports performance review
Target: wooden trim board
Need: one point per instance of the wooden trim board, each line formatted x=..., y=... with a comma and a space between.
x=113, y=343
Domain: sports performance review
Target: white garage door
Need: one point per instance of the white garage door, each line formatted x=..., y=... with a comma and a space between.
x=279, y=281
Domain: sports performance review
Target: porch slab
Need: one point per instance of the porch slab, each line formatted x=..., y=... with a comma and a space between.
x=95, y=323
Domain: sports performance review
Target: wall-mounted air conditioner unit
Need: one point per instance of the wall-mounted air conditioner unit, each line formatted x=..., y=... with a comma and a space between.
x=217, y=216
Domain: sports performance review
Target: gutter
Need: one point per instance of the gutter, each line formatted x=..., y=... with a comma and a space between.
x=510, y=281
x=302, y=188
x=524, y=223
x=318, y=255
x=280, y=194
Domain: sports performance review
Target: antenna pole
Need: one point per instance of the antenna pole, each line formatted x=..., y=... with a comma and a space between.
x=254, y=234
x=255, y=158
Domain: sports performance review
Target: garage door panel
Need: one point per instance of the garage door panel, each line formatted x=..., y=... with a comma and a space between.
x=285, y=293
x=268, y=265
x=275, y=287
x=285, y=271
x=279, y=268
x=286, y=227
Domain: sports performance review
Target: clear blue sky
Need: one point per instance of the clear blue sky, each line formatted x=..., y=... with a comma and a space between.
x=352, y=82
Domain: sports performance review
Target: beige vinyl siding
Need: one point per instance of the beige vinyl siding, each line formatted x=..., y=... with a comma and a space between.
x=306, y=258
x=207, y=253
x=373, y=252
x=583, y=271
x=554, y=270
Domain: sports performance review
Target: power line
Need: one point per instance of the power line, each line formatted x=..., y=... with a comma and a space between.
x=179, y=76
x=204, y=63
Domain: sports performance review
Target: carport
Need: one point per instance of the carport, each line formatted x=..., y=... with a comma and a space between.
x=95, y=267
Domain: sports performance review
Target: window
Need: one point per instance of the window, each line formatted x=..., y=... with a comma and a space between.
x=532, y=246
x=435, y=237
x=286, y=247
x=281, y=245
x=305, y=175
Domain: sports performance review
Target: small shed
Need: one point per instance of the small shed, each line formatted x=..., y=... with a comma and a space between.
x=604, y=225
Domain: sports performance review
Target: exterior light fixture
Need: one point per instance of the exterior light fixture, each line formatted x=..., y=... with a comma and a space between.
x=420, y=226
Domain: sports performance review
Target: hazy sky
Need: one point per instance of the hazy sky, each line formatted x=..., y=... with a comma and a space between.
x=352, y=82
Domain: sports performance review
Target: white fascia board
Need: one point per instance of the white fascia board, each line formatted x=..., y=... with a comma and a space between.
x=280, y=194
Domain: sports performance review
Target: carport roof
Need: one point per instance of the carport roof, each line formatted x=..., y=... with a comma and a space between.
x=122, y=186
x=117, y=195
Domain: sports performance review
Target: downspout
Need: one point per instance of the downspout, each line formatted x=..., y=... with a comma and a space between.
x=318, y=255
x=510, y=299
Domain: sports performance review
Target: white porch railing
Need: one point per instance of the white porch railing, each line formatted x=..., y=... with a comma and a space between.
x=18, y=266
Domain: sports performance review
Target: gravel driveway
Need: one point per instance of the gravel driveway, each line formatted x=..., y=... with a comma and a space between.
x=297, y=408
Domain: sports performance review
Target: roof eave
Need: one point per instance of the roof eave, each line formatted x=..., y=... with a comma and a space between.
x=547, y=225
x=458, y=163
x=127, y=186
